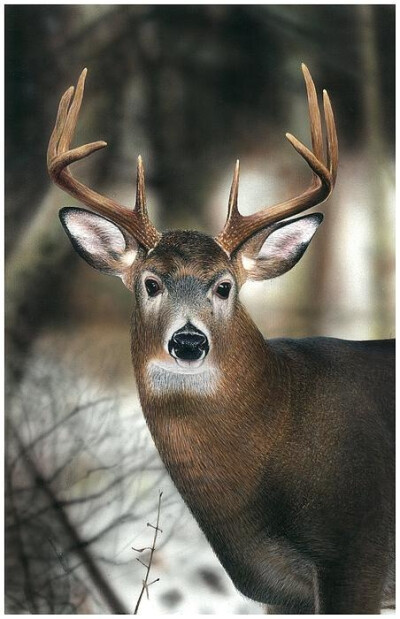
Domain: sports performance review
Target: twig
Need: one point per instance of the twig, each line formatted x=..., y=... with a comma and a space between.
x=145, y=583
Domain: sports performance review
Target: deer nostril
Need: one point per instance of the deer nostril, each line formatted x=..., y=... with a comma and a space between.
x=189, y=344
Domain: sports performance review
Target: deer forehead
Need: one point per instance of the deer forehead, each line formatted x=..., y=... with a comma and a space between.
x=183, y=254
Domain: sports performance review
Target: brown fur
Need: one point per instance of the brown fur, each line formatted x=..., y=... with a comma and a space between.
x=288, y=466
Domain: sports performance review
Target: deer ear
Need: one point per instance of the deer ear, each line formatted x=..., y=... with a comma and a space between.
x=276, y=249
x=100, y=242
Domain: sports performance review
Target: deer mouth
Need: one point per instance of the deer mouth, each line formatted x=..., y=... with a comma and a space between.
x=190, y=364
x=181, y=366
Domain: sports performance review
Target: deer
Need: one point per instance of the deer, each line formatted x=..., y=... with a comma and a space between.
x=283, y=449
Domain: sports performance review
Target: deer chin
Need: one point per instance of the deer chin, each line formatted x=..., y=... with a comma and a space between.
x=189, y=365
x=181, y=366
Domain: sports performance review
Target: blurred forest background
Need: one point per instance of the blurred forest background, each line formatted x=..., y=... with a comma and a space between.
x=191, y=88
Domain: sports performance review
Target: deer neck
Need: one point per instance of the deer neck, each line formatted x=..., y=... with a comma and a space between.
x=214, y=445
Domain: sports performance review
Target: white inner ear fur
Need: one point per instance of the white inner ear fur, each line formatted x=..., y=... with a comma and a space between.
x=128, y=257
x=285, y=240
x=98, y=236
x=248, y=263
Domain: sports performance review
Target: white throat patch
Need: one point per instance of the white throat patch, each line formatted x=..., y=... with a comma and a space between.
x=169, y=377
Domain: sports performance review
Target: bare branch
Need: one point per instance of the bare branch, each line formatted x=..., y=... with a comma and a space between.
x=146, y=584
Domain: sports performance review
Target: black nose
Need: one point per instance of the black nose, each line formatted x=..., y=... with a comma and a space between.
x=188, y=343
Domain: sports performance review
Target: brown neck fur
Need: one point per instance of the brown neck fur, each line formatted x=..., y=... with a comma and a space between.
x=214, y=446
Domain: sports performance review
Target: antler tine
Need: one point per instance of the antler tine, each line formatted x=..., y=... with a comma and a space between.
x=332, y=141
x=60, y=156
x=72, y=116
x=58, y=127
x=233, y=196
x=238, y=228
x=315, y=116
x=140, y=204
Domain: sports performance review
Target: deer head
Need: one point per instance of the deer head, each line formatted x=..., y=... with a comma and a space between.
x=186, y=284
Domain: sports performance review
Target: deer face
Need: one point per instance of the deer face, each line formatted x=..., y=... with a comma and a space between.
x=185, y=294
x=186, y=288
x=186, y=291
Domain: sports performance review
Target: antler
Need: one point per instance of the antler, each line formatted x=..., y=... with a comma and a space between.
x=59, y=157
x=239, y=227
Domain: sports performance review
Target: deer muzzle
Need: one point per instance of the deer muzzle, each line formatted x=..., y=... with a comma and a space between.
x=188, y=344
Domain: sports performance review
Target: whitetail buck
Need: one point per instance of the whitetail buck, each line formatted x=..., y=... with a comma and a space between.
x=282, y=449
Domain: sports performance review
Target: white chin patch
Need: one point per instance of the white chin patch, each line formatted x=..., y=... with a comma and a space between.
x=180, y=375
x=189, y=365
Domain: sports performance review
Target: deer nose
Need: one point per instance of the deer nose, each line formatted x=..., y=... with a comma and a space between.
x=188, y=343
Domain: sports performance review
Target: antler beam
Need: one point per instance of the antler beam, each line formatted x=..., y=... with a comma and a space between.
x=60, y=156
x=238, y=228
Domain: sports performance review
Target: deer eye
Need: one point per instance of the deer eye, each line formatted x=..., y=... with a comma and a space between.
x=223, y=289
x=152, y=287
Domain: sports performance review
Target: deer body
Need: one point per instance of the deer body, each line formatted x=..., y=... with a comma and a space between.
x=285, y=458
x=282, y=449
x=281, y=491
